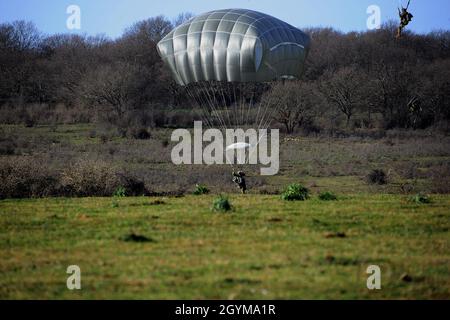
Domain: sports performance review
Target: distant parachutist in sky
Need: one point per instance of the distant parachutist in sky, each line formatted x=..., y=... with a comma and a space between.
x=405, y=19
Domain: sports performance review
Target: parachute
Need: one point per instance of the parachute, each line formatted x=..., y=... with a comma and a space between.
x=226, y=59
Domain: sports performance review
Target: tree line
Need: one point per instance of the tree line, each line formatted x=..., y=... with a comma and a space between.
x=351, y=80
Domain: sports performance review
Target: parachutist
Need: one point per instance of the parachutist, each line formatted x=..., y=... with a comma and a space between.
x=239, y=179
x=405, y=19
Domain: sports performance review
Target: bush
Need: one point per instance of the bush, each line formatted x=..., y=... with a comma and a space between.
x=23, y=177
x=221, y=204
x=377, y=176
x=120, y=192
x=90, y=178
x=165, y=143
x=200, y=189
x=327, y=196
x=7, y=147
x=132, y=185
x=295, y=191
x=141, y=134
x=29, y=123
x=99, y=178
x=420, y=198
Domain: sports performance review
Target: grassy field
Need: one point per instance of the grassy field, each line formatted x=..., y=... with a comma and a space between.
x=265, y=248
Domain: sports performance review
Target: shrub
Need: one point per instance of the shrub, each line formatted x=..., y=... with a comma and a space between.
x=200, y=189
x=7, y=147
x=115, y=204
x=221, y=204
x=22, y=177
x=90, y=178
x=327, y=196
x=420, y=198
x=132, y=185
x=120, y=192
x=377, y=176
x=295, y=191
x=165, y=143
x=140, y=133
x=29, y=123
x=104, y=138
x=99, y=178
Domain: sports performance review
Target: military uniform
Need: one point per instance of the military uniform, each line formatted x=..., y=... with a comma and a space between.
x=239, y=179
x=405, y=19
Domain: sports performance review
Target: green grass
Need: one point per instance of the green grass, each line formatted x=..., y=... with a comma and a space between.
x=266, y=248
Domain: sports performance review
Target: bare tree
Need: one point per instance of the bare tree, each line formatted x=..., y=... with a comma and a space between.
x=182, y=18
x=154, y=28
x=24, y=35
x=109, y=85
x=343, y=89
x=19, y=43
x=288, y=102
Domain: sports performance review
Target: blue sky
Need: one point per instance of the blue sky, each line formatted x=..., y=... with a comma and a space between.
x=111, y=17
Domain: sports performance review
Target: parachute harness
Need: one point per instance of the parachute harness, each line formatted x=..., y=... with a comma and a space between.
x=405, y=19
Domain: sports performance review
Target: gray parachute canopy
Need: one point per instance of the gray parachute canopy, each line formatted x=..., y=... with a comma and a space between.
x=234, y=45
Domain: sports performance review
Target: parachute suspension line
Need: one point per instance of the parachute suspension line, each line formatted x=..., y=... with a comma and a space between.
x=224, y=112
x=222, y=95
x=202, y=107
x=243, y=93
x=263, y=124
x=209, y=104
x=195, y=102
x=205, y=104
x=234, y=106
x=266, y=108
x=259, y=110
x=266, y=123
x=246, y=105
x=272, y=112
x=241, y=118
x=239, y=101
x=238, y=104
x=256, y=146
x=198, y=97
x=225, y=104
x=250, y=105
x=266, y=105
x=268, y=120
x=203, y=116
x=252, y=87
x=198, y=100
x=212, y=104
